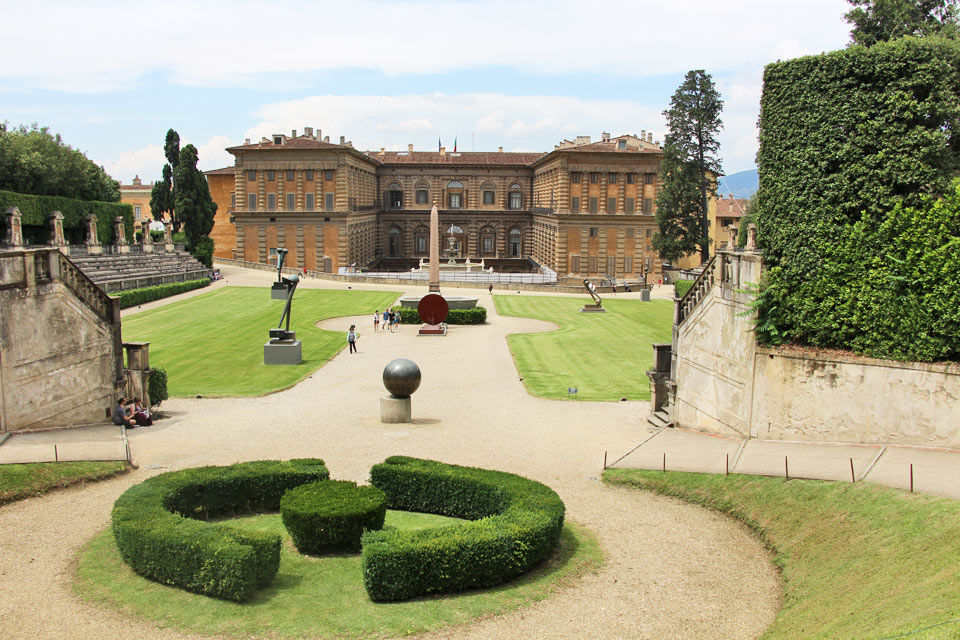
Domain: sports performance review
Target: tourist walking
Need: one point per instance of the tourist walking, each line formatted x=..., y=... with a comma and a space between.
x=376, y=320
x=352, y=338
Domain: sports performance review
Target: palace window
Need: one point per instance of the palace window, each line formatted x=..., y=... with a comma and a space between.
x=271, y=175
x=395, y=196
x=516, y=197
x=394, y=244
x=574, y=264
x=487, y=244
x=649, y=232
x=328, y=174
x=629, y=232
x=611, y=265
x=251, y=175
x=648, y=205
x=515, y=243
x=575, y=179
x=648, y=178
x=594, y=204
x=456, y=200
x=308, y=175
x=271, y=202
x=252, y=202
x=593, y=232
x=291, y=201
x=233, y=200
x=593, y=261
x=290, y=175
x=455, y=195
x=611, y=205
x=575, y=204
x=628, y=205
x=422, y=196
x=631, y=178
x=594, y=177
x=621, y=144
x=328, y=201
x=612, y=178
x=136, y=213
x=421, y=241
x=308, y=201
x=488, y=197
x=628, y=264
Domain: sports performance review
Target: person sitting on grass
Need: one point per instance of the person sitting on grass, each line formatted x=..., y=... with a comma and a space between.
x=141, y=414
x=120, y=416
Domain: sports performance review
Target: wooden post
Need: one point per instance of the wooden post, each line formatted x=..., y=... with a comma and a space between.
x=786, y=468
x=728, y=464
x=911, y=477
x=665, y=464
x=853, y=478
x=604, y=459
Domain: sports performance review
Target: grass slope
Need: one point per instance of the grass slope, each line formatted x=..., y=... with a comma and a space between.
x=19, y=481
x=604, y=355
x=859, y=560
x=319, y=596
x=212, y=344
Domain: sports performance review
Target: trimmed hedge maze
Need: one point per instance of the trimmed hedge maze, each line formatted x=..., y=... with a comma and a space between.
x=515, y=525
x=158, y=532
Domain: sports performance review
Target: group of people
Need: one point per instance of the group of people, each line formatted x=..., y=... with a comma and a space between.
x=131, y=416
x=391, y=320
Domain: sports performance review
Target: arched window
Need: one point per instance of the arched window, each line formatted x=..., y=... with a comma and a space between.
x=395, y=196
x=394, y=248
x=489, y=191
x=516, y=243
x=420, y=236
x=516, y=196
x=455, y=194
x=488, y=241
x=422, y=189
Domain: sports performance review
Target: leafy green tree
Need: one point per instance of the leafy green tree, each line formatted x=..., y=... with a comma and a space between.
x=36, y=162
x=688, y=167
x=163, y=196
x=195, y=208
x=881, y=20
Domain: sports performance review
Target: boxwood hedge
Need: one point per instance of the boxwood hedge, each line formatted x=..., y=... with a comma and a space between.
x=35, y=210
x=332, y=514
x=158, y=530
x=516, y=525
x=133, y=297
x=477, y=315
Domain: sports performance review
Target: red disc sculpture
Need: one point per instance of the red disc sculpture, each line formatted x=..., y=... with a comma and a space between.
x=433, y=309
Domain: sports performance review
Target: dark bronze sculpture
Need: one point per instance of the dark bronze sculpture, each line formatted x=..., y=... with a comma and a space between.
x=290, y=283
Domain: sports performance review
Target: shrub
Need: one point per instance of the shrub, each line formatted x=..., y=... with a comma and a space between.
x=477, y=315
x=845, y=139
x=680, y=287
x=203, y=251
x=157, y=386
x=332, y=514
x=133, y=297
x=156, y=526
x=517, y=523
x=35, y=210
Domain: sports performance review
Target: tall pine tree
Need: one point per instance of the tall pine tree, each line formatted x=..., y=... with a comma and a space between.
x=881, y=20
x=689, y=168
x=163, y=196
x=195, y=208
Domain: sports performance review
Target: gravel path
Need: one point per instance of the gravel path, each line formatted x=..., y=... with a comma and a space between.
x=672, y=570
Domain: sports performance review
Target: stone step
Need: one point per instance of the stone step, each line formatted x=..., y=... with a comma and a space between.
x=659, y=420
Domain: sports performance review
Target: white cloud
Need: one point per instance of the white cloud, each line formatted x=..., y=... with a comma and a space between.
x=147, y=162
x=92, y=47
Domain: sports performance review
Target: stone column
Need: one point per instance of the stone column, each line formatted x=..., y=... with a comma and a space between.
x=14, y=237
x=121, y=236
x=434, y=250
x=93, y=240
x=137, y=373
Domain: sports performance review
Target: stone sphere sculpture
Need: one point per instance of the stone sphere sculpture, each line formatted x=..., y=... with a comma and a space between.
x=401, y=377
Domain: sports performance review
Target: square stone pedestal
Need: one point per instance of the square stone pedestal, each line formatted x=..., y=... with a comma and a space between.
x=645, y=295
x=592, y=308
x=278, y=291
x=433, y=330
x=394, y=410
x=282, y=352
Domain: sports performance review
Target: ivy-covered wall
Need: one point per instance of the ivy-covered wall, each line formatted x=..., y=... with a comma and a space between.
x=856, y=149
x=35, y=210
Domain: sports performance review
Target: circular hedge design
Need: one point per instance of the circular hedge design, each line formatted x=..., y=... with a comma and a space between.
x=330, y=515
x=515, y=525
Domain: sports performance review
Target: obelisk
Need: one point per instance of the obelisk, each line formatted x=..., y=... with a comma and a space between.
x=434, y=250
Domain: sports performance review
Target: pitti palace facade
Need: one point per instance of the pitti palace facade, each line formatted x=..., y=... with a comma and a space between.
x=584, y=209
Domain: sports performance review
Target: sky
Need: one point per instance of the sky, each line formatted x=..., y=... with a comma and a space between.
x=112, y=77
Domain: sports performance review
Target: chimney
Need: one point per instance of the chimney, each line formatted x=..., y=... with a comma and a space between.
x=605, y=136
x=643, y=135
x=650, y=137
x=293, y=133
x=443, y=151
x=382, y=149
x=409, y=148
x=500, y=150
x=343, y=139
x=308, y=131
x=136, y=180
x=326, y=139
x=318, y=134
x=246, y=141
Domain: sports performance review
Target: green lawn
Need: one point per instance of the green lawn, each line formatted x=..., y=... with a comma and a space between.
x=604, y=355
x=19, y=481
x=858, y=560
x=212, y=344
x=320, y=596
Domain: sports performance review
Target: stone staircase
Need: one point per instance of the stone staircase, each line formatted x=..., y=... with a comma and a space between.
x=658, y=420
x=119, y=272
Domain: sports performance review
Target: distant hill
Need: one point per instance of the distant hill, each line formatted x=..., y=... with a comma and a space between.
x=743, y=184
